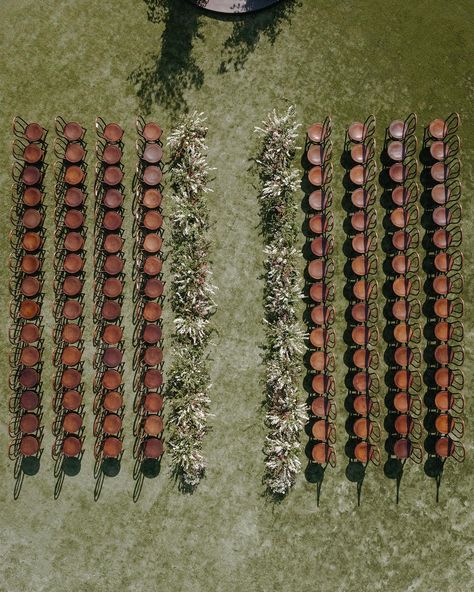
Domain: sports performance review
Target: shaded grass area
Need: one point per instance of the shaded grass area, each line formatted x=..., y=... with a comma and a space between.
x=82, y=58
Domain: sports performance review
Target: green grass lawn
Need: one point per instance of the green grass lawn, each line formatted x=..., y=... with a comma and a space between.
x=84, y=58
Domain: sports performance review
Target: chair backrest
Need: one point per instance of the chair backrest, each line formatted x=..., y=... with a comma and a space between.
x=369, y=126
x=410, y=124
x=327, y=127
x=452, y=123
x=60, y=124
x=139, y=125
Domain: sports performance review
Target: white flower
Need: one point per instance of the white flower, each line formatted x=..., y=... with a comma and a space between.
x=285, y=416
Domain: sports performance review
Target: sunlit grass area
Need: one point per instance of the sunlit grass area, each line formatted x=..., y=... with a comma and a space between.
x=82, y=58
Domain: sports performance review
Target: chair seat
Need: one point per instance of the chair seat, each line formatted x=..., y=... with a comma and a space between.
x=439, y=150
x=403, y=379
x=401, y=264
x=401, y=310
x=401, y=196
x=364, y=452
x=401, y=240
x=317, y=199
x=440, y=172
x=363, y=289
x=357, y=132
x=402, y=448
x=398, y=172
x=358, y=175
x=315, y=155
x=442, y=216
x=318, y=223
x=440, y=194
x=438, y=129
x=403, y=333
x=360, y=221
x=396, y=151
x=400, y=218
x=359, y=153
x=402, y=287
x=442, y=238
x=403, y=356
x=397, y=129
x=315, y=132
x=360, y=197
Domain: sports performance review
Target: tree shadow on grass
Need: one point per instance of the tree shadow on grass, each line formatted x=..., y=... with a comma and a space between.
x=249, y=29
x=166, y=74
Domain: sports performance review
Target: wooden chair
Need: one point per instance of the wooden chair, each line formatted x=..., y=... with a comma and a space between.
x=438, y=129
x=359, y=132
x=363, y=175
x=404, y=448
x=317, y=133
x=323, y=384
x=444, y=285
x=366, y=405
x=366, y=452
x=446, y=193
x=366, y=429
x=399, y=130
x=33, y=132
x=448, y=378
x=448, y=401
x=449, y=310
x=445, y=171
x=449, y=425
x=70, y=130
x=405, y=425
x=449, y=355
x=445, y=448
x=323, y=454
x=449, y=332
x=363, y=335
x=403, y=172
x=404, y=402
x=405, y=195
x=324, y=431
x=323, y=407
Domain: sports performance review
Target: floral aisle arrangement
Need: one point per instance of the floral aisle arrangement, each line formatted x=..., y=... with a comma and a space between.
x=285, y=415
x=192, y=300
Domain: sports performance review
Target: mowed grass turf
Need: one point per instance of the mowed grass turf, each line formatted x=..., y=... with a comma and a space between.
x=84, y=58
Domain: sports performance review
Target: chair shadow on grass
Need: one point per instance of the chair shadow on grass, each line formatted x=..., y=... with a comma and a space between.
x=66, y=467
x=148, y=468
x=165, y=75
x=105, y=467
x=25, y=466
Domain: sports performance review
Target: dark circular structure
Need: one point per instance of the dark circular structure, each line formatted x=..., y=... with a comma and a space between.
x=234, y=6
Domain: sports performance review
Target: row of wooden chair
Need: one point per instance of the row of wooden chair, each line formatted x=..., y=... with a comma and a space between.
x=362, y=426
x=70, y=236
x=404, y=403
x=148, y=295
x=446, y=354
x=26, y=287
x=108, y=290
x=322, y=363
